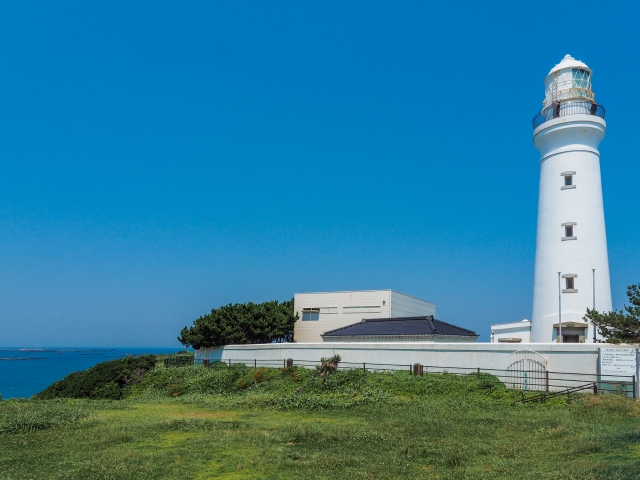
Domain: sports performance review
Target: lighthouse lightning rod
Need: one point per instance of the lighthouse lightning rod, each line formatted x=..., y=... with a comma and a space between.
x=559, y=307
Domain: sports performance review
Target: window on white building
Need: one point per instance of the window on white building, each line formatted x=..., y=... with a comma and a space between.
x=569, y=284
x=568, y=180
x=310, y=314
x=568, y=231
x=313, y=314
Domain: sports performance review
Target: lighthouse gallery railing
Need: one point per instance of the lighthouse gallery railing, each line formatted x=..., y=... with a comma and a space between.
x=570, y=107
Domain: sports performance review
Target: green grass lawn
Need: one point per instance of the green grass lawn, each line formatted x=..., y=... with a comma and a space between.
x=185, y=423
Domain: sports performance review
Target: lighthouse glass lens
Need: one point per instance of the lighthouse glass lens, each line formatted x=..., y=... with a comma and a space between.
x=580, y=78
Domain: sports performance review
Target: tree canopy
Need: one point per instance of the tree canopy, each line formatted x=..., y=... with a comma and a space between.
x=619, y=326
x=242, y=323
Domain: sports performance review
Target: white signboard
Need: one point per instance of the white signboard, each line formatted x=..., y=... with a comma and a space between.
x=617, y=361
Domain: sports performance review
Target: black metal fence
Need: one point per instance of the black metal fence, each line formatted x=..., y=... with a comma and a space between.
x=569, y=107
x=548, y=382
x=178, y=361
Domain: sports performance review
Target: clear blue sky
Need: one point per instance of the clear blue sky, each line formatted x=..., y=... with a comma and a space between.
x=159, y=159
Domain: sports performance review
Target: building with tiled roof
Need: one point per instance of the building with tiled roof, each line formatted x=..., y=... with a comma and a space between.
x=400, y=329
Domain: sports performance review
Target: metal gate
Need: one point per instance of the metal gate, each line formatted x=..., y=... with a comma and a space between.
x=527, y=370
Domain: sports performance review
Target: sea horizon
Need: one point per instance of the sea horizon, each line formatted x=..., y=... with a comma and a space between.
x=81, y=347
x=25, y=371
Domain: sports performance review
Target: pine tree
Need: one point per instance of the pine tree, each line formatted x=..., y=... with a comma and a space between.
x=242, y=323
x=619, y=326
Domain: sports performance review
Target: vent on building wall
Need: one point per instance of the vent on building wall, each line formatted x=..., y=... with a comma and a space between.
x=363, y=309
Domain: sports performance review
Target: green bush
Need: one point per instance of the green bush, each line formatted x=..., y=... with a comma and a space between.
x=328, y=366
x=107, y=380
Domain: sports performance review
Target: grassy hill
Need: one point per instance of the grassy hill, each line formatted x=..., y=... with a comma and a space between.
x=194, y=422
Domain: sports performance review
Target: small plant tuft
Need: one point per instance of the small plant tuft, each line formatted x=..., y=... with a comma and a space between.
x=328, y=366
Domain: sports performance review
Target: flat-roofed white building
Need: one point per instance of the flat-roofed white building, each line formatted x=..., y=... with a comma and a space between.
x=512, y=332
x=324, y=311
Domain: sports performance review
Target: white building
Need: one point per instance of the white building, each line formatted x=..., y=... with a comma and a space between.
x=512, y=332
x=325, y=311
x=571, y=247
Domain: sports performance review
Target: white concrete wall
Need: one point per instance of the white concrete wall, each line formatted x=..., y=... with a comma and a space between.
x=392, y=304
x=572, y=358
x=406, y=306
x=581, y=360
x=569, y=144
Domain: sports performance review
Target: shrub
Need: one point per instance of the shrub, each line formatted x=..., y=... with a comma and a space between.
x=328, y=366
x=258, y=376
x=105, y=380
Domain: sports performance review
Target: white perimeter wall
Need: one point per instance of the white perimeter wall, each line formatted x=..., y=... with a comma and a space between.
x=565, y=358
x=572, y=358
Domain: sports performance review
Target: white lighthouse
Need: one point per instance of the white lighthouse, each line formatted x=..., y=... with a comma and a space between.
x=571, y=230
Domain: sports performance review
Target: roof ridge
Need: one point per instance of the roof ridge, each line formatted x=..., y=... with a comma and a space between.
x=452, y=325
x=433, y=327
x=389, y=319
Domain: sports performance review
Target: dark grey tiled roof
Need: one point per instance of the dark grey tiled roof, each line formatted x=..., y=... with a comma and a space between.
x=399, y=326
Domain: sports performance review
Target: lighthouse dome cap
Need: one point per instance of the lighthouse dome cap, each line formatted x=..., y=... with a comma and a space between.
x=569, y=62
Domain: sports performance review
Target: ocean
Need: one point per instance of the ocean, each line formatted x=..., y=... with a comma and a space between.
x=27, y=371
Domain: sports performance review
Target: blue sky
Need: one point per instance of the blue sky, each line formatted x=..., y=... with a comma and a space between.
x=159, y=159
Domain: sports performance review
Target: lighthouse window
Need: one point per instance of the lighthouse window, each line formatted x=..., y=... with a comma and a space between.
x=580, y=78
x=569, y=283
x=568, y=180
x=568, y=231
